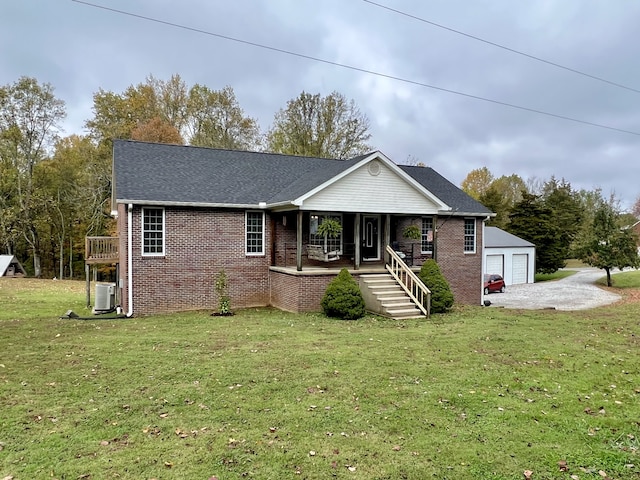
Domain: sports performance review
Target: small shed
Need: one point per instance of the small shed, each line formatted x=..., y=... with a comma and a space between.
x=510, y=256
x=11, y=267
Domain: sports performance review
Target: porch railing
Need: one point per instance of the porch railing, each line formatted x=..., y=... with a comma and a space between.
x=101, y=249
x=409, y=281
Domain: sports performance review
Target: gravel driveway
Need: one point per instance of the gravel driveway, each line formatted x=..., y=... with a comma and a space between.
x=577, y=292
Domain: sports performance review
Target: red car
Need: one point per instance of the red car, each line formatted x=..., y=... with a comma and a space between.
x=493, y=283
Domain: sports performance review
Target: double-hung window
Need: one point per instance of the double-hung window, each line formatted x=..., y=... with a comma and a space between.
x=254, y=233
x=469, y=235
x=427, y=235
x=153, y=231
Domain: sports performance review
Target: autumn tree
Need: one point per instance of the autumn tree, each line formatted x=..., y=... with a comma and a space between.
x=30, y=115
x=157, y=130
x=215, y=119
x=500, y=196
x=477, y=183
x=316, y=126
x=607, y=244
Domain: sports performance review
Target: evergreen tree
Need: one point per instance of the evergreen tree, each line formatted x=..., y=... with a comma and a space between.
x=343, y=298
x=533, y=221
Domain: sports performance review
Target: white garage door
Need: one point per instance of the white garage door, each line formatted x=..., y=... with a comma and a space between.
x=519, y=270
x=495, y=264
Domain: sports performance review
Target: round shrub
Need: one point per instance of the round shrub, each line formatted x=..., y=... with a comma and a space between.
x=343, y=298
x=441, y=296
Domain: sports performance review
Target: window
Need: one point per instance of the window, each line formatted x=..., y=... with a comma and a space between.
x=254, y=228
x=330, y=244
x=153, y=231
x=427, y=235
x=469, y=235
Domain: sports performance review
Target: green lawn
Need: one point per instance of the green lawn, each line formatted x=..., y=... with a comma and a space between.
x=557, y=275
x=480, y=393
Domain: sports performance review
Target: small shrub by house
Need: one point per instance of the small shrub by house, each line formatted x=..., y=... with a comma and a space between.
x=343, y=298
x=441, y=296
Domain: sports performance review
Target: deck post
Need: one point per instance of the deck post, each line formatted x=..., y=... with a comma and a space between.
x=299, y=241
x=86, y=274
x=387, y=237
x=357, y=241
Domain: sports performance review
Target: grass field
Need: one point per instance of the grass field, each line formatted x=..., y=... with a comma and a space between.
x=480, y=393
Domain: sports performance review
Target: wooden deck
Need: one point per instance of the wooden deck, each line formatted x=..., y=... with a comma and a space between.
x=101, y=250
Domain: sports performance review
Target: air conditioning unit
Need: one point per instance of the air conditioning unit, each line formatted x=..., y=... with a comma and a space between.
x=105, y=296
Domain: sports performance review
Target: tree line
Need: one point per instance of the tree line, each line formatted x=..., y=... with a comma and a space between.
x=560, y=221
x=55, y=190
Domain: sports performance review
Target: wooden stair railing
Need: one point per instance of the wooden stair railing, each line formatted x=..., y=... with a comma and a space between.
x=409, y=281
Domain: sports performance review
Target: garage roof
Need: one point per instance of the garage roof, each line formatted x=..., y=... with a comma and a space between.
x=495, y=237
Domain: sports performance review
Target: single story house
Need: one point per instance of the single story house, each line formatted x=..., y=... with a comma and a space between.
x=11, y=267
x=185, y=213
x=510, y=256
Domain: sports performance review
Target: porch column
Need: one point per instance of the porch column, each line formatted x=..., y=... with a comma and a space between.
x=357, y=241
x=299, y=241
x=387, y=237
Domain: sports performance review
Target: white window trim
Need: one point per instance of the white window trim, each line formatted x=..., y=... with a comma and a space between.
x=164, y=230
x=475, y=236
x=433, y=236
x=246, y=252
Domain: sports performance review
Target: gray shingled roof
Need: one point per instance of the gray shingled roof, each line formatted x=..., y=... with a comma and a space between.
x=161, y=173
x=495, y=237
x=445, y=190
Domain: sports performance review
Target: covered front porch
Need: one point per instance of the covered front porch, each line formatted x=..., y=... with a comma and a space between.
x=298, y=242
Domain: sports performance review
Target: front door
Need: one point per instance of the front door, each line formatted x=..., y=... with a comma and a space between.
x=370, y=237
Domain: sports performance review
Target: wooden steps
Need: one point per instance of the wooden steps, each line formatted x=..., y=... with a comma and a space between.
x=384, y=296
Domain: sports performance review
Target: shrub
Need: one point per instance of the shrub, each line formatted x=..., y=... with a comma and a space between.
x=221, y=286
x=343, y=298
x=441, y=296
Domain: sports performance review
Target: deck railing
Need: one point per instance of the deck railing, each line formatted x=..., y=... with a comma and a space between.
x=409, y=282
x=101, y=249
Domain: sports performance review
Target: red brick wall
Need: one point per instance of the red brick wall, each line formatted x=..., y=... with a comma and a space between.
x=199, y=243
x=462, y=270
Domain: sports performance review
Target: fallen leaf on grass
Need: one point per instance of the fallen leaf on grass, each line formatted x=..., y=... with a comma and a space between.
x=562, y=464
x=164, y=415
x=168, y=464
x=528, y=474
x=8, y=477
x=351, y=468
x=396, y=448
x=104, y=443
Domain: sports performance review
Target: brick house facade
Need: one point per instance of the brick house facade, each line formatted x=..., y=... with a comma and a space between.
x=186, y=213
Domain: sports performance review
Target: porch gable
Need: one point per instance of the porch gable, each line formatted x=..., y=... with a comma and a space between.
x=373, y=186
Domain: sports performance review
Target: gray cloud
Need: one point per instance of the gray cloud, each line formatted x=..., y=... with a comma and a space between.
x=79, y=49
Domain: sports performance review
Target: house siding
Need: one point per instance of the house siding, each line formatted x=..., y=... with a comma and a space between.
x=462, y=270
x=360, y=191
x=199, y=243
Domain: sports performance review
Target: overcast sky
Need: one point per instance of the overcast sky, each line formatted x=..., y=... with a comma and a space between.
x=79, y=49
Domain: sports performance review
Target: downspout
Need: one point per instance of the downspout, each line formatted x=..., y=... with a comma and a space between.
x=129, y=261
x=484, y=222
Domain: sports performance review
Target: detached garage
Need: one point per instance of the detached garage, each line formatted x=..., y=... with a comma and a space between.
x=509, y=256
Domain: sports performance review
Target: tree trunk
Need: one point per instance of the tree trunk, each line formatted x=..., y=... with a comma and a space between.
x=37, y=269
x=606, y=269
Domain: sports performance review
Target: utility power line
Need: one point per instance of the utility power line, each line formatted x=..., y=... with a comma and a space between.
x=351, y=67
x=512, y=50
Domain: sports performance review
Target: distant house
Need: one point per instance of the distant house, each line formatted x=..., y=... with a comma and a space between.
x=509, y=256
x=185, y=213
x=11, y=267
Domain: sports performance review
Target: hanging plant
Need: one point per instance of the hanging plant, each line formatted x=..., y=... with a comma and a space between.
x=330, y=227
x=412, y=232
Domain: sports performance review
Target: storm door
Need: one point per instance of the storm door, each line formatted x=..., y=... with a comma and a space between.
x=370, y=237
